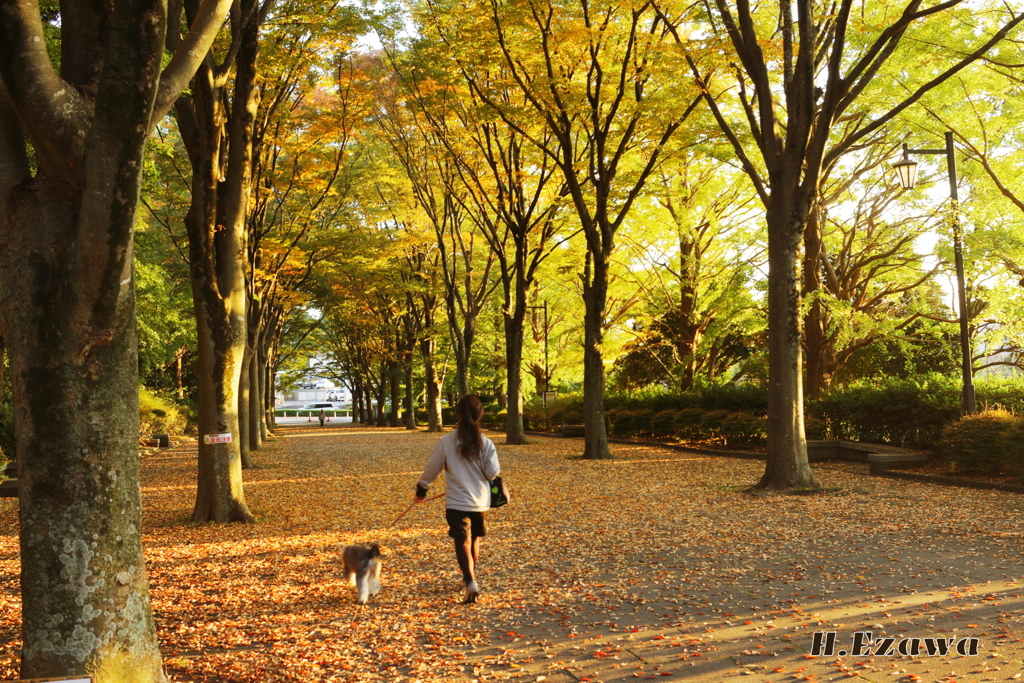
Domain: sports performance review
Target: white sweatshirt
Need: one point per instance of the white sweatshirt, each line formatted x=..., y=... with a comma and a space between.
x=466, y=482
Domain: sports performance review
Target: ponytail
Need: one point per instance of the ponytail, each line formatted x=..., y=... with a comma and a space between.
x=469, y=410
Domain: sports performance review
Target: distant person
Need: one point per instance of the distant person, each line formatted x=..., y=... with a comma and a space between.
x=469, y=461
x=323, y=416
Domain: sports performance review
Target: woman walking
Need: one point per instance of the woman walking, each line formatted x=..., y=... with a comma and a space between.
x=469, y=461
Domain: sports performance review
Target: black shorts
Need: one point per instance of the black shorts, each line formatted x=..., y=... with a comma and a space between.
x=462, y=524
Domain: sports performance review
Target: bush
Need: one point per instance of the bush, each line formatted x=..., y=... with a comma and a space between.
x=979, y=442
x=712, y=425
x=623, y=425
x=686, y=425
x=642, y=422
x=495, y=420
x=159, y=416
x=900, y=412
x=1013, y=447
x=662, y=424
x=7, y=445
x=745, y=428
x=571, y=417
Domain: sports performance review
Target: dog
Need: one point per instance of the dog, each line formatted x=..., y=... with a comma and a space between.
x=362, y=569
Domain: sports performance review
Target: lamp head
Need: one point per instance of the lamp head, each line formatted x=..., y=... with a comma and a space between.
x=906, y=171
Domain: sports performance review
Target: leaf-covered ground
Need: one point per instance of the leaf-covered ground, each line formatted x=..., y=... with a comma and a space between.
x=650, y=566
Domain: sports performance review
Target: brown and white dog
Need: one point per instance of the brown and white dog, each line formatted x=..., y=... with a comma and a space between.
x=362, y=568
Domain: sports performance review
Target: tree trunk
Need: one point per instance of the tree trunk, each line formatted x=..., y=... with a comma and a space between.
x=216, y=230
x=244, y=400
x=514, y=432
x=382, y=390
x=786, y=461
x=435, y=421
x=819, y=377
x=410, y=403
x=369, y=418
x=219, y=497
x=67, y=317
x=595, y=292
x=269, y=380
x=395, y=383
x=461, y=364
x=257, y=424
x=178, y=378
x=689, y=270
x=357, y=399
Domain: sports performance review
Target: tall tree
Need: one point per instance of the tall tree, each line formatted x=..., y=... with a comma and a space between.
x=215, y=120
x=692, y=255
x=509, y=188
x=802, y=79
x=433, y=175
x=67, y=316
x=859, y=267
x=599, y=78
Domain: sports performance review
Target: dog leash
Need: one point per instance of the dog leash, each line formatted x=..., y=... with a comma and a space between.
x=414, y=503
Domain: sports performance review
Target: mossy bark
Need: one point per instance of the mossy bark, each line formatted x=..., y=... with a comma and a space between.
x=67, y=316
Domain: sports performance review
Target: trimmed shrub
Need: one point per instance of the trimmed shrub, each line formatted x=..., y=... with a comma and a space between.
x=814, y=427
x=1013, y=447
x=623, y=425
x=642, y=422
x=745, y=428
x=712, y=424
x=159, y=416
x=571, y=417
x=662, y=424
x=686, y=425
x=978, y=442
x=7, y=445
x=495, y=419
x=900, y=412
x=610, y=415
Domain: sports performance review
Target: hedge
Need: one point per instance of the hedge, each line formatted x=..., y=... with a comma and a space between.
x=988, y=442
x=310, y=413
x=911, y=413
x=158, y=415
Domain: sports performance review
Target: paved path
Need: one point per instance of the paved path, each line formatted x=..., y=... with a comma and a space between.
x=651, y=566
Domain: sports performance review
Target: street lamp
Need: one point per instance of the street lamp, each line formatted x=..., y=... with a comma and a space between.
x=906, y=170
x=544, y=398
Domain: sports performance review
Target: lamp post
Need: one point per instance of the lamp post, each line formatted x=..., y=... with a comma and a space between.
x=906, y=170
x=544, y=398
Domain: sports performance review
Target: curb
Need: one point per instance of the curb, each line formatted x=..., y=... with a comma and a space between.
x=951, y=481
x=873, y=471
x=660, y=444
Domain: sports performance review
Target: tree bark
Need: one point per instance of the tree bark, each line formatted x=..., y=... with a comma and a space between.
x=219, y=147
x=382, y=389
x=77, y=423
x=514, y=324
x=395, y=384
x=787, y=466
x=435, y=421
x=595, y=293
x=357, y=400
x=244, y=399
x=257, y=413
x=818, y=373
x=67, y=316
x=410, y=397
